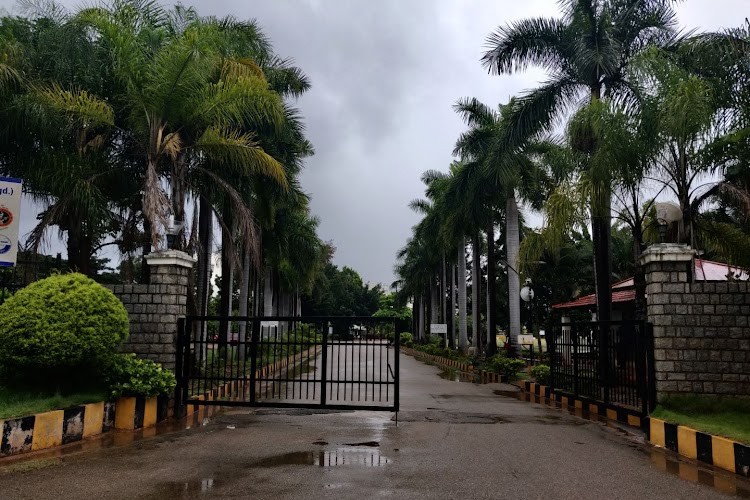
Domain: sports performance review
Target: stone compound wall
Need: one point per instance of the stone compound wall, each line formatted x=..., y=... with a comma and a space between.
x=701, y=331
x=153, y=309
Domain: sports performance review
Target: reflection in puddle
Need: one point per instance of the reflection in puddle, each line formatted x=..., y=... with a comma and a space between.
x=696, y=473
x=666, y=461
x=185, y=489
x=340, y=457
x=457, y=376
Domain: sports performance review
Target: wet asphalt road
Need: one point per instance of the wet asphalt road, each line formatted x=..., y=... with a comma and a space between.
x=453, y=440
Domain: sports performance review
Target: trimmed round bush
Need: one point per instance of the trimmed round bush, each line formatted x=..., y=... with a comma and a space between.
x=59, y=329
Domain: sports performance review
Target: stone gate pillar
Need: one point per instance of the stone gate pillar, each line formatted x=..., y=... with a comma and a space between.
x=153, y=309
x=669, y=270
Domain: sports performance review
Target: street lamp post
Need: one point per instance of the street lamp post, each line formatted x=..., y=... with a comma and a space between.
x=527, y=295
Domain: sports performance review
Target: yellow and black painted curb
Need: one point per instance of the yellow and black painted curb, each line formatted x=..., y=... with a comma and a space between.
x=58, y=427
x=614, y=413
x=483, y=376
x=707, y=448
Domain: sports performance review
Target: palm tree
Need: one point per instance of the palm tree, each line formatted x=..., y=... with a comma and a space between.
x=510, y=173
x=183, y=98
x=586, y=53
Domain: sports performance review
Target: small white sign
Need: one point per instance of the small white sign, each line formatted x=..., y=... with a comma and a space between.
x=10, y=218
x=438, y=328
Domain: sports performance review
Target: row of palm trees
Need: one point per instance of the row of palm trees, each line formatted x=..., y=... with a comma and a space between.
x=632, y=109
x=129, y=122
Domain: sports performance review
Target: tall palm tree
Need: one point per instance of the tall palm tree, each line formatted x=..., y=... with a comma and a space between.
x=510, y=173
x=181, y=97
x=586, y=53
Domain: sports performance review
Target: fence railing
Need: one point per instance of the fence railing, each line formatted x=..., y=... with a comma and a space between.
x=610, y=362
x=303, y=362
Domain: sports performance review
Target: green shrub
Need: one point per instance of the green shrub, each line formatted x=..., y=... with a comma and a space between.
x=59, y=331
x=541, y=374
x=132, y=376
x=508, y=367
x=406, y=339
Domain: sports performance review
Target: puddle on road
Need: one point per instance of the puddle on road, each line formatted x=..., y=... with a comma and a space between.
x=186, y=489
x=458, y=376
x=334, y=458
x=664, y=460
x=694, y=472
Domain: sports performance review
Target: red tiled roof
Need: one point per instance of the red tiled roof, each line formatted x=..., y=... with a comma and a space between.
x=622, y=291
x=590, y=300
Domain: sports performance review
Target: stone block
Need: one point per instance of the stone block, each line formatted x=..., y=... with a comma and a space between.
x=666, y=386
x=673, y=354
x=685, y=386
x=659, y=276
x=663, y=343
x=676, y=376
x=663, y=366
x=674, y=288
x=140, y=289
x=725, y=388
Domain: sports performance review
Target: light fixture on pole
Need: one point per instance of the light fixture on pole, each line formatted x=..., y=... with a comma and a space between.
x=666, y=214
x=172, y=230
x=527, y=293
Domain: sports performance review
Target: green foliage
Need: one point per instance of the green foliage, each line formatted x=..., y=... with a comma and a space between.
x=406, y=339
x=541, y=374
x=129, y=375
x=388, y=308
x=507, y=367
x=60, y=329
x=341, y=293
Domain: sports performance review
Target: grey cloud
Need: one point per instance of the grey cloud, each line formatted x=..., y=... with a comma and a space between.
x=385, y=74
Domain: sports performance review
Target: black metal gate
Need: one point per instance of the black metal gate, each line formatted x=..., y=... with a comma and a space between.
x=609, y=362
x=295, y=362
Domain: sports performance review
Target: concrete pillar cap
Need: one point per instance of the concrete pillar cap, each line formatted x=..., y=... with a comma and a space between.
x=170, y=258
x=667, y=252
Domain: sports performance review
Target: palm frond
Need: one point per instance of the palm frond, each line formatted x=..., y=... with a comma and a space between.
x=527, y=42
x=240, y=151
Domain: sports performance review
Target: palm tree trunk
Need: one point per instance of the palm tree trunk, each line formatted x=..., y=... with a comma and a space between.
x=227, y=286
x=421, y=317
x=244, y=296
x=178, y=198
x=205, y=235
x=476, y=284
x=491, y=318
x=145, y=270
x=267, y=294
x=601, y=236
x=463, y=340
x=434, y=300
x=514, y=281
x=601, y=232
x=442, y=291
x=454, y=290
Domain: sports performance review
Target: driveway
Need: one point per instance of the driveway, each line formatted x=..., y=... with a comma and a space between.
x=453, y=440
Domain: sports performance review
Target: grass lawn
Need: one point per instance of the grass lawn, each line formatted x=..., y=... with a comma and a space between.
x=21, y=404
x=727, y=417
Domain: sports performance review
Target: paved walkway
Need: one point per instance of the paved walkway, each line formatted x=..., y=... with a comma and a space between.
x=453, y=440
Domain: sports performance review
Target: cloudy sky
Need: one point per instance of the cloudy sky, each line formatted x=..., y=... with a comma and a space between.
x=384, y=77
